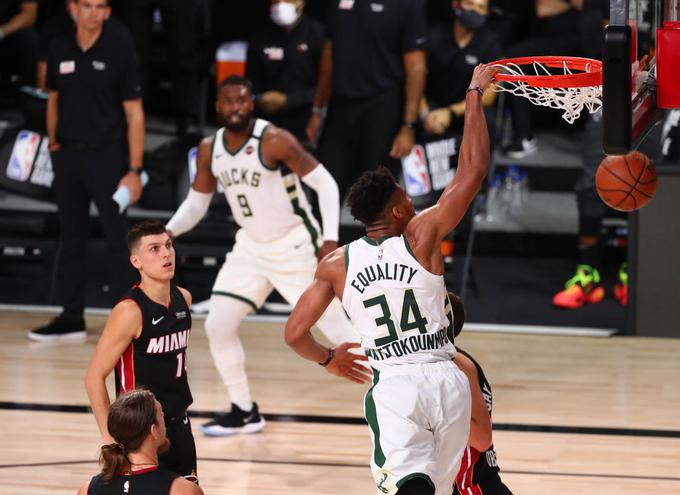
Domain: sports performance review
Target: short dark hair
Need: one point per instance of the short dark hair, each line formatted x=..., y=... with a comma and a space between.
x=235, y=80
x=142, y=229
x=458, y=310
x=370, y=194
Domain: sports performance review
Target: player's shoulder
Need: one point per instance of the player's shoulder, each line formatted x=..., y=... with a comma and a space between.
x=186, y=294
x=332, y=264
x=181, y=486
x=207, y=142
x=126, y=308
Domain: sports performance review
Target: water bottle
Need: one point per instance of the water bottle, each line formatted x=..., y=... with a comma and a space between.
x=492, y=206
x=122, y=194
x=516, y=203
x=524, y=186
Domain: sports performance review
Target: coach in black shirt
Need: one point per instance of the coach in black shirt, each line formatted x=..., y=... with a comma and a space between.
x=373, y=71
x=453, y=52
x=94, y=104
x=283, y=64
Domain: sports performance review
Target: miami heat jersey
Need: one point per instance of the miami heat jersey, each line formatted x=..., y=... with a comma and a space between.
x=395, y=304
x=157, y=359
x=478, y=473
x=266, y=201
x=151, y=481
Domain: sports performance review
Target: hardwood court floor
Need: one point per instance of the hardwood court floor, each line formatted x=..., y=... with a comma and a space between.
x=572, y=415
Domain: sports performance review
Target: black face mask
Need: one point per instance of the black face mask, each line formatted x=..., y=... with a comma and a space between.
x=470, y=19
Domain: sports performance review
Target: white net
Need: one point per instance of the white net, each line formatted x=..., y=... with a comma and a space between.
x=571, y=101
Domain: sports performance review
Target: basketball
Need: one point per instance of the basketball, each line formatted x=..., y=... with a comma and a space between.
x=626, y=182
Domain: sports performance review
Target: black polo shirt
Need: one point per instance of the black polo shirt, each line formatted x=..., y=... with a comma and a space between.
x=286, y=61
x=369, y=39
x=450, y=67
x=10, y=8
x=92, y=86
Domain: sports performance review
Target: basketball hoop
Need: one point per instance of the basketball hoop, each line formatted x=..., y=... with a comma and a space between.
x=578, y=86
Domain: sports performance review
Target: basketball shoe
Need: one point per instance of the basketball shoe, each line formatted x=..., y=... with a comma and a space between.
x=61, y=328
x=234, y=422
x=621, y=287
x=584, y=287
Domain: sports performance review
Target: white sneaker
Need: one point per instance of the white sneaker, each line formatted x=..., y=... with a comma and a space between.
x=522, y=149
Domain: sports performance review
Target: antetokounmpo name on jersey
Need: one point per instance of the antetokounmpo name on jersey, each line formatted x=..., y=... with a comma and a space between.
x=238, y=177
x=414, y=343
x=383, y=271
x=168, y=343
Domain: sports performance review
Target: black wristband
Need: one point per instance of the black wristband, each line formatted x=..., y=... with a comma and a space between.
x=137, y=170
x=409, y=123
x=475, y=88
x=328, y=359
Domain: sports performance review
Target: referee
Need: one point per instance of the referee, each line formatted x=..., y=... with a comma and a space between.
x=94, y=100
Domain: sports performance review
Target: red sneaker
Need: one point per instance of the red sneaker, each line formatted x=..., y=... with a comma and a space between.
x=582, y=288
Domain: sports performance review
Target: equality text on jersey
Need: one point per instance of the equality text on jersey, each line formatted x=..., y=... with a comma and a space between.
x=382, y=271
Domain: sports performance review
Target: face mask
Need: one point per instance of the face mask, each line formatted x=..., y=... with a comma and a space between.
x=470, y=19
x=283, y=14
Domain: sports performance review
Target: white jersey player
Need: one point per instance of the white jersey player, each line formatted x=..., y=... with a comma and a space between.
x=260, y=168
x=391, y=284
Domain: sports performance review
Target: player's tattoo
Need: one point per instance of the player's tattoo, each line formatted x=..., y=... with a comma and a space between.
x=299, y=160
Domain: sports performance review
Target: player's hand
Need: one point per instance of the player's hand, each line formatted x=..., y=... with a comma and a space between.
x=133, y=182
x=326, y=248
x=344, y=364
x=272, y=101
x=53, y=145
x=483, y=76
x=313, y=126
x=437, y=121
x=403, y=142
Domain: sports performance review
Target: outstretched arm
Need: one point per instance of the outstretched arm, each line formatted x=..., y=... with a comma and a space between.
x=281, y=146
x=437, y=221
x=196, y=204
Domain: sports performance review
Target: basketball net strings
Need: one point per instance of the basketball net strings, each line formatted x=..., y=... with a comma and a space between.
x=571, y=100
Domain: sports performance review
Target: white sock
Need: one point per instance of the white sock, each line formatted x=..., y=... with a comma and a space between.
x=221, y=326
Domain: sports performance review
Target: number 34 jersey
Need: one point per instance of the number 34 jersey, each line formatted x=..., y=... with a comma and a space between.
x=396, y=305
x=266, y=201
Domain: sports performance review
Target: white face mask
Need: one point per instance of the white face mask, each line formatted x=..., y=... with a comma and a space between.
x=283, y=14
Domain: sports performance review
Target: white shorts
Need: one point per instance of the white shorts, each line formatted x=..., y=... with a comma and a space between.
x=252, y=269
x=419, y=417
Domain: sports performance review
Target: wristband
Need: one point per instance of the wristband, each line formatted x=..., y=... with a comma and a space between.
x=320, y=111
x=475, y=88
x=409, y=123
x=331, y=352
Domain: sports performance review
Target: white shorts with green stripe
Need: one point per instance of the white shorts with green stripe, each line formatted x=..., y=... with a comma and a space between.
x=419, y=417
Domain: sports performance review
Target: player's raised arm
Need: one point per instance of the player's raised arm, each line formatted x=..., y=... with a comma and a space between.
x=473, y=164
x=282, y=146
x=195, y=205
x=123, y=325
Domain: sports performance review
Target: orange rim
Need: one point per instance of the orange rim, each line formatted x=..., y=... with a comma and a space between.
x=590, y=75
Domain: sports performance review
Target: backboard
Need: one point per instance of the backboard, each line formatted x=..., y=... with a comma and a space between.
x=629, y=63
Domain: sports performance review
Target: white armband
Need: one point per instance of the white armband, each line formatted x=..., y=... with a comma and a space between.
x=189, y=213
x=326, y=189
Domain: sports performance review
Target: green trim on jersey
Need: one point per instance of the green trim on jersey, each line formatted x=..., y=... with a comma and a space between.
x=259, y=149
x=346, y=258
x=408, y=477
x=237, y=297
x=376, y=242
x=408, y=248
x=226, y=148
x=372, y=420
x=308, y=224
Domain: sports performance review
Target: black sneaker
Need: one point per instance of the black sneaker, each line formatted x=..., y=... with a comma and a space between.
x=522, y=148
x=60, y=329
x=236, y=421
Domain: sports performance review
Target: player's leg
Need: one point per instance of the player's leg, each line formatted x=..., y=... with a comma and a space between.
x=403, y=445
x=451, y=426
x=238, y=290
x=180, y=458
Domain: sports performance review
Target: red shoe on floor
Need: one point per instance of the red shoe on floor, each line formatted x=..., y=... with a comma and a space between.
x=582, y=288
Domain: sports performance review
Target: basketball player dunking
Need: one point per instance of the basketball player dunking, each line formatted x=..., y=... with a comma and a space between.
x=478, y=473
x=260, y=167
x=392, y=286
x=145, y=338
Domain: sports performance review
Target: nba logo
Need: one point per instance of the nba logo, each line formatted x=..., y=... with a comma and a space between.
x=23, y=155
x=416, y=175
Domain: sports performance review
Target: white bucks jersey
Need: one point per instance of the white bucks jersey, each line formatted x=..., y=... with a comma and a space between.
x=267, y=202
x=396, y=305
